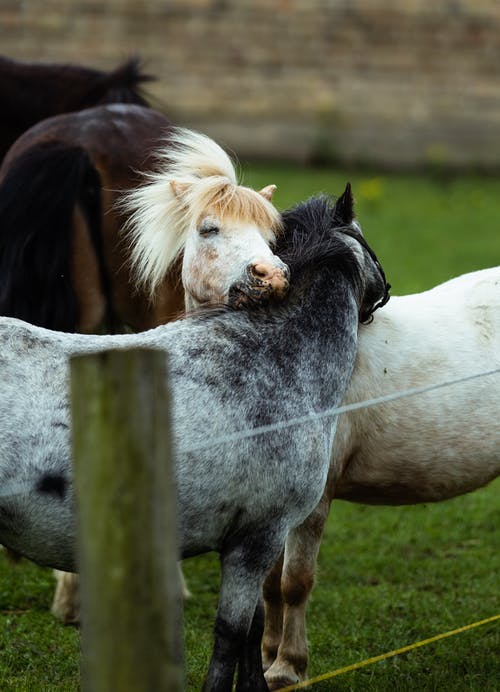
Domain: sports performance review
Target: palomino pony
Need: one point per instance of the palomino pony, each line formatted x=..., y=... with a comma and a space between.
x=423, y=448
x=34, y=91
x=63, y=263
x=240, y=497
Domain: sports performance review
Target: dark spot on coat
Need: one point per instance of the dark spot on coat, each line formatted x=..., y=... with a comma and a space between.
x=52, y=484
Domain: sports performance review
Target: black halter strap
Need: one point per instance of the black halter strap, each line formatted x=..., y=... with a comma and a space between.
x=387, y=287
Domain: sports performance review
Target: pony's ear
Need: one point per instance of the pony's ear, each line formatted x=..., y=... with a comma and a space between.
x=268, y=192
x=180, y=189
x=344, y=206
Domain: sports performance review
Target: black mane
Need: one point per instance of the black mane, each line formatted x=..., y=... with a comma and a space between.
x=122, y=85
x=34, y=91
x=314, y=236
x=40, y=90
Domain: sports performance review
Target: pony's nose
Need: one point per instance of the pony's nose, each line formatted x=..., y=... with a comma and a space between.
x=269, y=276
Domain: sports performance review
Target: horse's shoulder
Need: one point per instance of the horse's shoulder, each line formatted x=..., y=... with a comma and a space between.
x=468, y=287
x=484, y=289
x=482, y=307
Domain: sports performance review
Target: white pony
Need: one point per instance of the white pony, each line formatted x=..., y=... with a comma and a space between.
x=422, y=448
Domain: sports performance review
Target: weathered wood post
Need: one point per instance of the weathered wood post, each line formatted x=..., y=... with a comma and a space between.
x=131, y=600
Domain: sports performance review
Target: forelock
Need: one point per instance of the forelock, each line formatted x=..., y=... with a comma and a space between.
x=222, y=198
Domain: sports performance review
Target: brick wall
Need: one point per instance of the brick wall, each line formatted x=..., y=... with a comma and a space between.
x=395, y=83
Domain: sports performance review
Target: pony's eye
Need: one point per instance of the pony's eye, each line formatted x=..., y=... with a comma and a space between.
x=208, y=229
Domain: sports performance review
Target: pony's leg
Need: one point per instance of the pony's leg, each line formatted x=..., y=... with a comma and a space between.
x=299, y=567
x=273, y=605
x=66, y=603
x=186, y=593
x=244, y=566
x=250, y=663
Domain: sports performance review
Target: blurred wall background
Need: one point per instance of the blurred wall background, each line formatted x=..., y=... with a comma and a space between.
x=398, y=84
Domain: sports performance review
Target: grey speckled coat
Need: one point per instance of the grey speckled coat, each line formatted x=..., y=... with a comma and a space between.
x=228, y=371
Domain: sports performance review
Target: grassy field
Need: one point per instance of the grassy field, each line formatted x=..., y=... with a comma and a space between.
x=387, y=576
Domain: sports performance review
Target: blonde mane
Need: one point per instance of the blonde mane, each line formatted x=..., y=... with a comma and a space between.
x=159, y=218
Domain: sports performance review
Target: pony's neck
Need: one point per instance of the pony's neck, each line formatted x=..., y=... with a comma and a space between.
x=322, y=302
x=320, y=329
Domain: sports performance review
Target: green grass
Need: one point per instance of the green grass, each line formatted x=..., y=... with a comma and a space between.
x=425, y=230
x=36, y=652
x=387, y=576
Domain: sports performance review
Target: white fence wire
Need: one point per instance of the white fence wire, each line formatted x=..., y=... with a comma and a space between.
x=330, y=412
x=14, y=487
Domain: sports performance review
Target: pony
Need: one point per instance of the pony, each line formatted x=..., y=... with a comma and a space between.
x=34, y=91
x=424, y=448
x=228, y=370
x=64, y=263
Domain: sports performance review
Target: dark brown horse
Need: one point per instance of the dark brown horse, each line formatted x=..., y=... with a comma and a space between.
x=33, y=91
x=59, y=227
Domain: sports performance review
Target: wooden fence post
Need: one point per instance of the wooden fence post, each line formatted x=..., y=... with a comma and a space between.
x=131, y=598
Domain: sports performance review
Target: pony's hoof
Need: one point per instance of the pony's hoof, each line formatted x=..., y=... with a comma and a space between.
x=66, y=617
x=278, y=676
x=66, y=604
x=280, y=682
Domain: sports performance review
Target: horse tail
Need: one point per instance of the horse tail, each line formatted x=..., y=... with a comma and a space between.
x=122, y=85
x=38, y=195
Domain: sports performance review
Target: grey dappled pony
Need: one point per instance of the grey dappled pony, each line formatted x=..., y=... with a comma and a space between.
x=229, y=371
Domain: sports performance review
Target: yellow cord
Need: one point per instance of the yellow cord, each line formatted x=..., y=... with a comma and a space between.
x=389, y=654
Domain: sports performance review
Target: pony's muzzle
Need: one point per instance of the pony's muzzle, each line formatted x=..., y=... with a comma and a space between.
x=271, y=279
x=263, y=281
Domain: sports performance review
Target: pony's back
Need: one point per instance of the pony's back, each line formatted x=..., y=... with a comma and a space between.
x=31, y=92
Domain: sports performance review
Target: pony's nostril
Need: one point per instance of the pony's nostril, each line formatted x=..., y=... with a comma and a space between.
x=267, y=279
x=262, y=271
